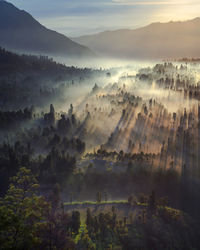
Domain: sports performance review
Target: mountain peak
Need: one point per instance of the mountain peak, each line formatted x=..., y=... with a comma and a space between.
x=22, y=33
x=13, y=18
x=197, y=19
x=172, y=39
x=7, y=4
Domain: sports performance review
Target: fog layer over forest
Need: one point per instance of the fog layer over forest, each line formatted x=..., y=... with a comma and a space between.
x=117, y=134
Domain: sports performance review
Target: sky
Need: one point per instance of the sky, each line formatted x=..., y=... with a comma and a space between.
x=80, y=17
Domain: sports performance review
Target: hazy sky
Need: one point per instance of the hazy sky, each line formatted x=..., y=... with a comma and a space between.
x=78, y=17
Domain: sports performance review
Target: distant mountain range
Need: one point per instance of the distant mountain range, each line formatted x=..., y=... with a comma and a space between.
x=155, y=41
x=20, y=32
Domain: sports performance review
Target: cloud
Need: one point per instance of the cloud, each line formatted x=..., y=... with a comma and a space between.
x=79, y=17
x=129, y=2
x=164, y=2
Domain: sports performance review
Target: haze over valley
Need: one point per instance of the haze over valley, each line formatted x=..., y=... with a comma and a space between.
x=99, y=134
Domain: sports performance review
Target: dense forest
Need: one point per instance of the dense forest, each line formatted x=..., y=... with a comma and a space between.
x=98, y=158
x=27, y=80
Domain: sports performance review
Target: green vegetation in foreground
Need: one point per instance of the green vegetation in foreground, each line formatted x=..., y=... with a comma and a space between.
x=95, y=202
x=122, y=202
x=32, y=222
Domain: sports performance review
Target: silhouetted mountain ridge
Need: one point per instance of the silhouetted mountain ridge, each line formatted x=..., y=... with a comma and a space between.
x=21, y=32
x=157, y=40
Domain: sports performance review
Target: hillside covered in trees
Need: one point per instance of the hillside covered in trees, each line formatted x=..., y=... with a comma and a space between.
x=98, y=158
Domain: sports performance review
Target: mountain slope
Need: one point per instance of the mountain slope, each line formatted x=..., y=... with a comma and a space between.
x=19, y=31
x=157, y=40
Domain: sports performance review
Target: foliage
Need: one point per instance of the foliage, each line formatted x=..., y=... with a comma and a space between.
x=29, y=221
x=22, y=212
